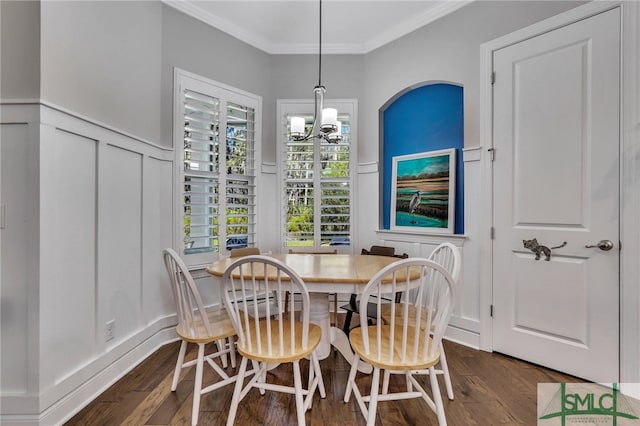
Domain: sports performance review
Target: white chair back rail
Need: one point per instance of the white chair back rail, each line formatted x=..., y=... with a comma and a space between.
x=263, y=332
x=432, y=287
x=192, y=316
x=448, y=256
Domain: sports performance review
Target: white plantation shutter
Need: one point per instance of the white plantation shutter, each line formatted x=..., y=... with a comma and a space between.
x=240, y=183
x=317, y=184
x=216, y=128
x=335, y=189
x=200, y=172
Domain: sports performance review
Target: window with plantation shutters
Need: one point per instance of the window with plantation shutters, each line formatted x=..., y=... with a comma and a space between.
x=317, y=181
x=215, y=139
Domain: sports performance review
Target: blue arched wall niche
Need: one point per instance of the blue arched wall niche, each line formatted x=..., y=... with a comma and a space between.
x=426, y=118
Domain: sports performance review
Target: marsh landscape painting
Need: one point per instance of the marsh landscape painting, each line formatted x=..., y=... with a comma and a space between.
x=422, y=196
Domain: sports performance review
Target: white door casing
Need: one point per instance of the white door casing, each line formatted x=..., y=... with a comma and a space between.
x=556, y=178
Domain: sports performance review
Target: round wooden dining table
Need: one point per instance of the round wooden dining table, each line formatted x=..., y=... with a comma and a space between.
x=324, y=274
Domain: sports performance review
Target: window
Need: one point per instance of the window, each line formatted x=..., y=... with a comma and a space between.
x=215, y=139
x=317, y=182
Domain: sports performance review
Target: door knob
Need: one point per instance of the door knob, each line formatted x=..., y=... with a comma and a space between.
x=604, y=245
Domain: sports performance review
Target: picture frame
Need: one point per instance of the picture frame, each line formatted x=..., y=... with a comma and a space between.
x=423, y=192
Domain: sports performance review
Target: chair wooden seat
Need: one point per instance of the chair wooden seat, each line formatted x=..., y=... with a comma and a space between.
x=221, y=328
x=394, y=359
x=287, y=354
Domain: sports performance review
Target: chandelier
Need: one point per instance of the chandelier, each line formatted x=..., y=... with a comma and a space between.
x=330, y=129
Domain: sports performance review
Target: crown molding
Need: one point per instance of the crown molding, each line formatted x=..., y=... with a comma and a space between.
x=413, y=24
x=400, y=30
x=223, y=25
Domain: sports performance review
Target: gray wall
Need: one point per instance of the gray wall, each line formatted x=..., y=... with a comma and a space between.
x=102, y=60
x=20, y=49
x=190, y=44
x=113, y=62
x=295, y=76
x=445, y=50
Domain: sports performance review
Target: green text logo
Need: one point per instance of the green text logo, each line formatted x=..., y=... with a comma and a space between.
x=588, y=404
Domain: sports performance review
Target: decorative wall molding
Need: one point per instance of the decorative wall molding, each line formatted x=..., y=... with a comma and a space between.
x=471, y=154
x=269, y=168
x=418, y=237
x=371, y=167
x=73, y=114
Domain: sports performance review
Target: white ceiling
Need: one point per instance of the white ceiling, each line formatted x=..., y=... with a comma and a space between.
x=291, y=26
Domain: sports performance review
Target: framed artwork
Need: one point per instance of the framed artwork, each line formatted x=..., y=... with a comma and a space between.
x=423, y=192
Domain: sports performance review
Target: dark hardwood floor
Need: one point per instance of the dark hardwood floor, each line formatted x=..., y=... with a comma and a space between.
x=490, y=389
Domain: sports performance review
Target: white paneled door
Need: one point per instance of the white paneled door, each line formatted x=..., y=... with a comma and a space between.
x=556, y=179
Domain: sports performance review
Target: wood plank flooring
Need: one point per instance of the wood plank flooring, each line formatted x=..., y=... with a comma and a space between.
x=490, y=389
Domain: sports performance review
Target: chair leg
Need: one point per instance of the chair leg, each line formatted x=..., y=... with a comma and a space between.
x=316, y=364
x=262, y=375
x=437, y=398
x=407, y=377
x=335, y=309
x=197, y=386
x=352, y=377
x=373, y=398
x=297, y=382
x=286, y=302
x=310, y=385
x=235, y=400
x=232, y=351
x=347, y=323
x=221, y=344
x=445, y=372
x=385, y=382
x=179, y=362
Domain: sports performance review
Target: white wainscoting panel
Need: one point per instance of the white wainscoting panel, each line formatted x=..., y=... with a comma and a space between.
x=14, y=144
x=120, y=245
x=88, y=212
x=157, y=214
x=68, y=231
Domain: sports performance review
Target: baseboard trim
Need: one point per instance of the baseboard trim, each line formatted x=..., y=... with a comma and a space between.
x=70, y=404
x=75, y=401
x=463, y=337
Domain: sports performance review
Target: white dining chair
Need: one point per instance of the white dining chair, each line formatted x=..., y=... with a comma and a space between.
x=275, y=338
x=448, y=256
x=403, y=343
x=199, y=326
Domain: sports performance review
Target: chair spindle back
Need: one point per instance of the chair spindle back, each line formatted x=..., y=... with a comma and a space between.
x=418, y=335
x=192, y=316
x=273, y=334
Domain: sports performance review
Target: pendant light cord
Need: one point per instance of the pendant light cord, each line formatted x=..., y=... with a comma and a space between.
x=320, y=47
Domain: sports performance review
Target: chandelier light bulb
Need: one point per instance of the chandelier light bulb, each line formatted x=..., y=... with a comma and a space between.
x=329, y=120
x=297, y=127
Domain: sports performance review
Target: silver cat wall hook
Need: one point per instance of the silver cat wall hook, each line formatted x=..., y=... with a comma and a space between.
x=539, y=249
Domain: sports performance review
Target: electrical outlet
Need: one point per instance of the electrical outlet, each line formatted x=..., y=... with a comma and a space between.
x=109, y=330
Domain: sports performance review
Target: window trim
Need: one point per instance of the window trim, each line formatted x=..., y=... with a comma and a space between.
x=226, y=94
x=285, y=107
